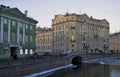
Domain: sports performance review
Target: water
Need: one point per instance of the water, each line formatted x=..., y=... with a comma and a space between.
x=89, y=70
x=103, y=67
x=47, y=72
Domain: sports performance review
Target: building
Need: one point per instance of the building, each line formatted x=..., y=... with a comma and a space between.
x=115, y=42
x=73, y=32
x=17, y=32
x=44, y=40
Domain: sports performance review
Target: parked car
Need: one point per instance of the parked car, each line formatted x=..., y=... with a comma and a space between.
x=47, y=53
x=65, y=53
x=38, y=54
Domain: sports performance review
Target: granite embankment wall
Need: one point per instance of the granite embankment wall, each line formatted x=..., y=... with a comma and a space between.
x=25, y=66
x=29, y=65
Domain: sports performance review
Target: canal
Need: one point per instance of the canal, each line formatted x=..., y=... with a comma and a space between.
x=89, y=70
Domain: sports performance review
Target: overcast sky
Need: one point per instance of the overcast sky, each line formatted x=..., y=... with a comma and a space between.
x=44, y=10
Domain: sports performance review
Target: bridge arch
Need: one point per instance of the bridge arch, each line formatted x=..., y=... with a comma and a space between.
x=77, y=60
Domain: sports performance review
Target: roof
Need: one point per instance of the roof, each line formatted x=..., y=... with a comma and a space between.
x=115, y=35
x=80, y=15
x=15, y=11
x=43, y=30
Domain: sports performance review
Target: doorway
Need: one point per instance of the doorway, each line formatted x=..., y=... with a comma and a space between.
x=13, y=52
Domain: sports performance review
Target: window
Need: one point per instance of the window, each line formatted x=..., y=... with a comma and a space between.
x=26, y=51
x=0, y=36
x=21, y=51
x=20, y=36
x=5, y=35
x=21, y=24
x=73, y=38
x=31, y=27
x=26, y=38
x=13, y=23
x=72, y=45
x=84, y=38
x=5, y=21
x=26, y=26
x=66, y=29
x=13, y=36
x=0, y=33
x=31, y=51
x=31, y=38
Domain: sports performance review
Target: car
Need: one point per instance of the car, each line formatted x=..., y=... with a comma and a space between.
x=38, y=54
x=63, y=53
x=47, y=53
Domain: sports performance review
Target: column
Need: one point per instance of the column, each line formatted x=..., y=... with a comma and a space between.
x=24, y=33
x=1, y=29
x=9, y=31
x=18, y=32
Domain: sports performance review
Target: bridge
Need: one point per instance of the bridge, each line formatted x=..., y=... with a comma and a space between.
x=77, y=57
x=27, y=65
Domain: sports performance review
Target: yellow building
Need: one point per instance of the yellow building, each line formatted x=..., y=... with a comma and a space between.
x=73, y=32
x=115, y=42
x=44, y=40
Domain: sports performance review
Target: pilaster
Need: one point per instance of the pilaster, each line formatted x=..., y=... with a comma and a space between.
x=18, y=32
x=1, y=29
x=9, y=31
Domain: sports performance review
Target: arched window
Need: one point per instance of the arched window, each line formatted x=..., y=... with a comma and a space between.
x=26, y=51
x=21, y=51
x=31, y=51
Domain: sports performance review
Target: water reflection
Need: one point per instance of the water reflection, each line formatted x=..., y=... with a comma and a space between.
x=89, y=70
x=115, y=71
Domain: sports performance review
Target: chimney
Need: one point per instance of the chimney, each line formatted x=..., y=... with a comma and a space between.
x=26, y=13
x=91, y=17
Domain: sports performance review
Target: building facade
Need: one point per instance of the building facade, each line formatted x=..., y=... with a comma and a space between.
x=44, y=40
x=17, y=32
x=73, y=32
x=115, y=42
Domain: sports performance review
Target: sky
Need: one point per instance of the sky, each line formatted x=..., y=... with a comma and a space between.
x=44, y=10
